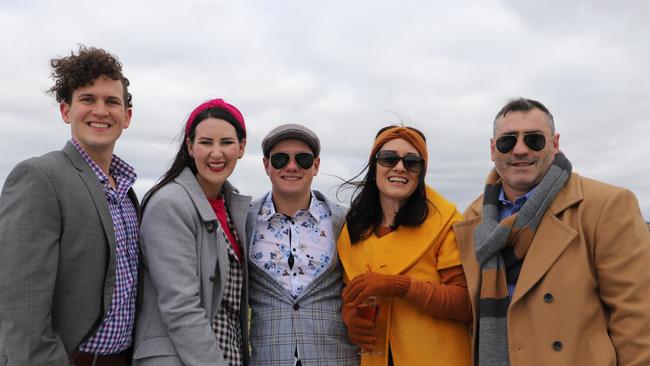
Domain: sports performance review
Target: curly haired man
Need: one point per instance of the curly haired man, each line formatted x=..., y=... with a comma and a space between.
x=69, y=230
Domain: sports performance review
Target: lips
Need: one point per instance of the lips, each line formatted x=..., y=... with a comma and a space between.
x=291, y=178
x=217, y=167
x=99, y=125
x=395, y=179
x=521, y=164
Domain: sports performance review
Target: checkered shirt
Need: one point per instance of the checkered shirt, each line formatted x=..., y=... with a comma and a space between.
x=226, y=324
x=114, y=334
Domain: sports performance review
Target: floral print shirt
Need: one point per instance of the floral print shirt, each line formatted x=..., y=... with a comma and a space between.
x=293, y=250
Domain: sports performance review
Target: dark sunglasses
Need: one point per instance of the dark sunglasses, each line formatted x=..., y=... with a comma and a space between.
x=280, y=160
x=535, y=141
x=389, y=158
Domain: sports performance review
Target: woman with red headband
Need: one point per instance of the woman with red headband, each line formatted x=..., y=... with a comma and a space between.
x=398, y=249
x=192, y=237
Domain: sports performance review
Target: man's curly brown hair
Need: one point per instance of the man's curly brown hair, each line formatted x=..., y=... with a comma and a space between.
x=76, y=71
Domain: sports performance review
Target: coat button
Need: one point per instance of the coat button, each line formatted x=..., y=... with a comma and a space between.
x=210, y=227
x=212, y=278
x=296, y=306
x=548, y=298
x=557, y=345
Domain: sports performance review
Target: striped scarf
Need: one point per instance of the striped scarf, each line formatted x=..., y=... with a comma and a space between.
x=515, y=234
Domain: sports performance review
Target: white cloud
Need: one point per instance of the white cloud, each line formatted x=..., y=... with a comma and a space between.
x=345, y=69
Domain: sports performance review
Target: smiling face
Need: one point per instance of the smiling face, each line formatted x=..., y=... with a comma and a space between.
x=522, y=168
x=291, y=181
x=396, y=184
x=97, y=115
x=215, y=150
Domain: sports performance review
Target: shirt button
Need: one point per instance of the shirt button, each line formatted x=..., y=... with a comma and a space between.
x=548, y=298
x=212, y=278
x=557, y=345
x=210, y=227
x=296, y=306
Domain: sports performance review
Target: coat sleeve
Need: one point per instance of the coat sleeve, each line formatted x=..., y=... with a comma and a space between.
x=169, y=249
x=30, y=224
x=622, y=260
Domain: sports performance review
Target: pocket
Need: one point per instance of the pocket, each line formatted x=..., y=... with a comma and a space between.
x=154, y=346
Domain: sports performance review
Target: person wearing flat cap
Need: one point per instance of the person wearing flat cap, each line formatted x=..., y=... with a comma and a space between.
x=295, y=275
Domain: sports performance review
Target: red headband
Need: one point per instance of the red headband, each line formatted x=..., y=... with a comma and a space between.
x=215, y=103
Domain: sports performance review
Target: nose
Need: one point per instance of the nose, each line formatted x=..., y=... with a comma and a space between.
x=100, y=108
x=520, y=147
x=291, y=165
x=400, y=166
x=216, y=151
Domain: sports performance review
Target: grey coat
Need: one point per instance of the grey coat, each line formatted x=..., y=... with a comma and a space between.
x=185, y=271
x=312, y=322
x=57, y=258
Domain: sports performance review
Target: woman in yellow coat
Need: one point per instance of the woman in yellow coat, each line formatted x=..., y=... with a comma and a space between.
x=398, y=249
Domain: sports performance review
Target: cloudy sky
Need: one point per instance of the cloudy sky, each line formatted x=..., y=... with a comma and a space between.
x=346, y=69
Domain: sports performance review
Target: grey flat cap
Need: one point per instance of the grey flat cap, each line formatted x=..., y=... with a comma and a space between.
x=291, y=131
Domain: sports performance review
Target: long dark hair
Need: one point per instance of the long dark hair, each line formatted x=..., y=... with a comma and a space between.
x=183, y=158
x=365, y=212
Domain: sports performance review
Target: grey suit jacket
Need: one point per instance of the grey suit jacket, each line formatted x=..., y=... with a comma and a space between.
x=185, y=272
x=57, y=258
x=312, y=322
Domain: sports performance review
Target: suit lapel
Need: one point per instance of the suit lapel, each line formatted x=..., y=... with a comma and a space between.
x=551, y=239
x=99, y=199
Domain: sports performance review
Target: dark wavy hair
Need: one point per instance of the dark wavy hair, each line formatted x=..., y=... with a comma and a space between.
x=183, y=158
x=76, y=71
x=365, y=212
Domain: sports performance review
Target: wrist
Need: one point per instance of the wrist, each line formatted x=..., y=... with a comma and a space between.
x=401, y=285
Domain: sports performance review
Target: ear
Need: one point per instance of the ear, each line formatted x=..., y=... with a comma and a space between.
x=65, y=112
x=189, y=144
x=266, y=166
x=556, y=143
x=316, y=166
x=127, y=118
x=492, y=148
x=242, y=148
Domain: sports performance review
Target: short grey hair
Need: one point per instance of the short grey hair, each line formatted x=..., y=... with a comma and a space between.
x=523, y=105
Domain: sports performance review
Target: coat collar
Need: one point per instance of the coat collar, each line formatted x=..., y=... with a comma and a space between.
x=566, y=197
x=188, y=181
x=384, y=256
x=551, y=239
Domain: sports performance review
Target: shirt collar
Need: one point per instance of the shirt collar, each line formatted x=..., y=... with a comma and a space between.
x=315, y=209
x=505, y=201
x=118, y=168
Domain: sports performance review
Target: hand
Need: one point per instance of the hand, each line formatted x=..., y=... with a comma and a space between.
x=374, y=284
x=362, y=332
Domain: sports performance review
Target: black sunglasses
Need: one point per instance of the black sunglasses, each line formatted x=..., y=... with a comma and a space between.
x=389, y=158
x=535, y=141
x=280, y=160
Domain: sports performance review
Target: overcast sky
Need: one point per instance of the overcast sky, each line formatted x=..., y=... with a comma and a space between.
x=346, y=69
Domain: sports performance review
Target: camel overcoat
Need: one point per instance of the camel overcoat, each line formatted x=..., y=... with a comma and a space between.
x=583, y=294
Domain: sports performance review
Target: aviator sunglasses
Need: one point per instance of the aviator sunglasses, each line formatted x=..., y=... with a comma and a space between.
x=390, y=158
x=280, y=160
x=535, y=141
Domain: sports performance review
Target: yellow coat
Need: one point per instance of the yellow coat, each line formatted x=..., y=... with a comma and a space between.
x=415, y=338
